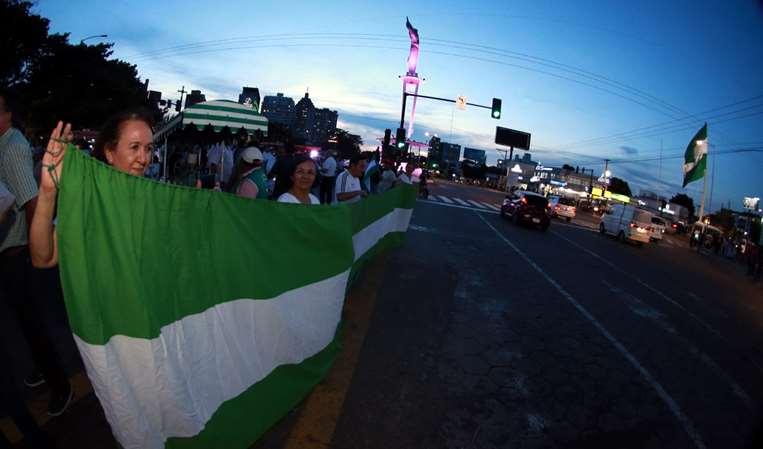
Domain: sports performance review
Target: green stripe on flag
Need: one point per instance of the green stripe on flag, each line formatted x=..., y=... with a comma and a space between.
x=238, y=110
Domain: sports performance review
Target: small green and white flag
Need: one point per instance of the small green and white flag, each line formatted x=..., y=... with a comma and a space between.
x=202, y=317
x=695, y=158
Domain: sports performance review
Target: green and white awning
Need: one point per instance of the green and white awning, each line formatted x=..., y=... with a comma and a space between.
x=218, y=114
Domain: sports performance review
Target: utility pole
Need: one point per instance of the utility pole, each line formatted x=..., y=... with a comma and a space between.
x=659, y=176
x=182, y=91
x=606, y=178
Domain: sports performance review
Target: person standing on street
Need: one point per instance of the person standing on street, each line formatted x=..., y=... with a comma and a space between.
x=248, y=179
x=348, y=189
x=302, y=177
x=328, y=170
x=407, y=176
x=24, y=288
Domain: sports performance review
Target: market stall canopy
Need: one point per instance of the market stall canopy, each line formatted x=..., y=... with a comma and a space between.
x=218, y=114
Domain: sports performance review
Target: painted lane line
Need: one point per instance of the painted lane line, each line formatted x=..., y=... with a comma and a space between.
x=478, y=205
x=643, y=284
x=461, y=202
x=643, y=310
x=444, y=199
x=687, y=424
x=490, y=206
x=455, y=206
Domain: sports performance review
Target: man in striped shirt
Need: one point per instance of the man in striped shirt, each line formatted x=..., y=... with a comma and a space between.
x=24, y=288
x=348, y=188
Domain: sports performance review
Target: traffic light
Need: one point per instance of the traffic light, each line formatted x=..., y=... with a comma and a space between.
x=400, y=138
x=496, y=108
x=387, y=136
x=177, y=105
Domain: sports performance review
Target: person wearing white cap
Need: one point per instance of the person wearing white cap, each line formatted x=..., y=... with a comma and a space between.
x=248, y=179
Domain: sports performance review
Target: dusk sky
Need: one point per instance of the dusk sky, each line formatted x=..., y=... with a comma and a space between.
x=579, y=76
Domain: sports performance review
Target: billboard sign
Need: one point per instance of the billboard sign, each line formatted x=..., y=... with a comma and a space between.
x=751, y=203
x=512, y=138
x=475, y=155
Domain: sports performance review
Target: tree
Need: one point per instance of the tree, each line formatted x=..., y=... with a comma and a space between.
x=23, y=38
x=684, y=200
x=79, y=84
x=473, y=170
x=568, y=167
x=347, y=144
x=617, y=185
x=60, y=81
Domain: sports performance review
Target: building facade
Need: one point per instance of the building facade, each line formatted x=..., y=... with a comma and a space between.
x=250, y=95
x=312, y=124
x=278, y=109
x=194, y=97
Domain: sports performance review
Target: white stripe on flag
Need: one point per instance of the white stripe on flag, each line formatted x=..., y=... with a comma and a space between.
x=461, y=202
x=170, y=386
x=366, y=238
x=476, y=204
x=444, y=199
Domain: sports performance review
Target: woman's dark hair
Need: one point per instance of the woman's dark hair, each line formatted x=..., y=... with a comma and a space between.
x=109, y=135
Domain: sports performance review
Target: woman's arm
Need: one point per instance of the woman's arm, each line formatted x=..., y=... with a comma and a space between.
x=43, y=244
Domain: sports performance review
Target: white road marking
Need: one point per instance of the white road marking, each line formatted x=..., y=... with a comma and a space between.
x=444, y=199
x=418, y=228
x=461, y=202
x=478, y=205
x=687, y=424
x=642, y=283
x=456, y=206
x=490, y=206
x=640, y=308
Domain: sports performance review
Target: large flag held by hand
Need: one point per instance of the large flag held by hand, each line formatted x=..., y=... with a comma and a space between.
x=695, y=158
x=202, y=317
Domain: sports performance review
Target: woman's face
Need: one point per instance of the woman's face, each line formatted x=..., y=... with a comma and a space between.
x=134, y=148
x=304, y=175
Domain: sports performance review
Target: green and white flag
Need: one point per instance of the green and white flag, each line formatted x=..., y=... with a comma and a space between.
x=695, y=158
x=202, y=317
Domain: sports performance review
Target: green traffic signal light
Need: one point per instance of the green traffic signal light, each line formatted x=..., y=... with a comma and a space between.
x=496, y=108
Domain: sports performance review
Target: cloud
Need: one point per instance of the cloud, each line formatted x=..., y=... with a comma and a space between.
x=629, y=150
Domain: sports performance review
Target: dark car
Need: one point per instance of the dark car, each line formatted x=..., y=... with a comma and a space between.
x=527, y=207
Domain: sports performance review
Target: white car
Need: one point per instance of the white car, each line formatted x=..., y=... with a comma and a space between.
x=562, y=207
x=657, y=230
x=627, y=223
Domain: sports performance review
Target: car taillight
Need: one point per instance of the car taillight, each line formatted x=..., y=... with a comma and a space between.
x=675, y=226
x=524, y=200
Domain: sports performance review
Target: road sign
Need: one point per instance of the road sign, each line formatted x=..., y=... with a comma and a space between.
x=461, y=102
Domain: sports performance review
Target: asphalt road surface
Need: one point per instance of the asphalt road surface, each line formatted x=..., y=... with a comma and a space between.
x=478, y=333
x=488, y=335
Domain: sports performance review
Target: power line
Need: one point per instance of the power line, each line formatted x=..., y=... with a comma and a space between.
x=622, y=133
x=208, y=46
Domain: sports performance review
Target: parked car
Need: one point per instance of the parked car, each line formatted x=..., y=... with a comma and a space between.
x=627, y=223
x=657, y=230
x=562, y=207
x=527, y=207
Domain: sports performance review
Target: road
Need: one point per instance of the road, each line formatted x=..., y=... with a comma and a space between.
x=478, y=333
x=486, y=334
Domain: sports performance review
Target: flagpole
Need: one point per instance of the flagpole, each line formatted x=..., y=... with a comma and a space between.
x=704, y=182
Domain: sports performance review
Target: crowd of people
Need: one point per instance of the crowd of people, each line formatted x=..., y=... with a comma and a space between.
x=29, y=279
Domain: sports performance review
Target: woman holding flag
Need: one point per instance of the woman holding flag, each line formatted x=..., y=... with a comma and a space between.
x=125, y=143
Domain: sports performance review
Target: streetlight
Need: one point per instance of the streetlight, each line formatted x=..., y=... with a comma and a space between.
x=102, y=36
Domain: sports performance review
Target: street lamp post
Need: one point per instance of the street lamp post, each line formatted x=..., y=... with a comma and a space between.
x=95, y=36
